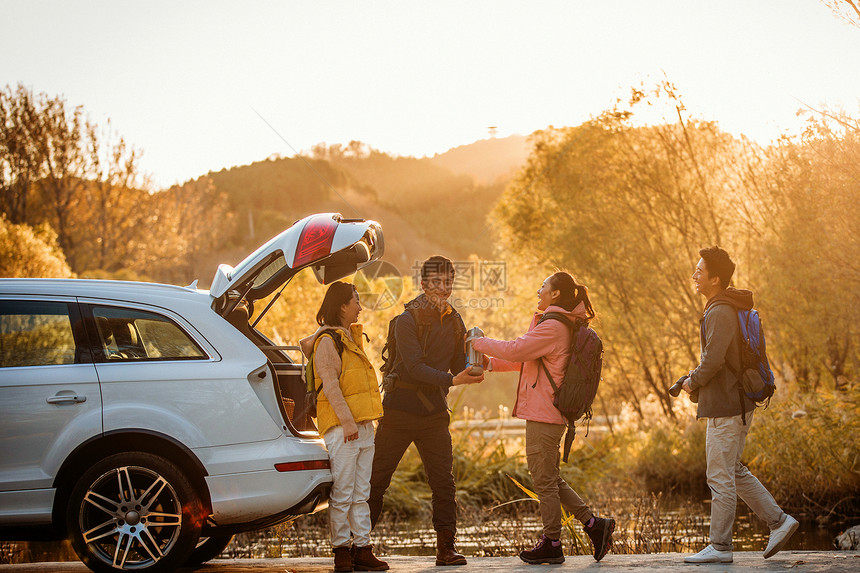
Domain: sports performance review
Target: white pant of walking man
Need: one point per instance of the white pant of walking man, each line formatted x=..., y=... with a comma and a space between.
x=715, y=386
x=729, y=479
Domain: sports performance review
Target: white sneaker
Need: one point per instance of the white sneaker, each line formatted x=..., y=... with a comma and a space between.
x=780, y=535
x=710, y=554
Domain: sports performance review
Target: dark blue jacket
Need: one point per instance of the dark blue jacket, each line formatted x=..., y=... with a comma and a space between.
x=433, y=369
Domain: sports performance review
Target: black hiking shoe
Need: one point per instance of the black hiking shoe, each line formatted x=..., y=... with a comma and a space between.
x=546, y=551
x=600, y=534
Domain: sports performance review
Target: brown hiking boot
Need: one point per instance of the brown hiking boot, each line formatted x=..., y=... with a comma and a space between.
x=445, y=552
x=342, y=559
x=601, y=536
x=363, y=559
x=546, y=551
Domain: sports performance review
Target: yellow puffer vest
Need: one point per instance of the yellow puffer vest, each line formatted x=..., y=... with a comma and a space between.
x=358, y=383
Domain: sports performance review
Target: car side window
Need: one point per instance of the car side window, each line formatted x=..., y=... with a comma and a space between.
x=126, y=334
x=36, y=333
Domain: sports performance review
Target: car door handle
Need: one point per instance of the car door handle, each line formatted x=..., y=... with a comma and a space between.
x=66, y=399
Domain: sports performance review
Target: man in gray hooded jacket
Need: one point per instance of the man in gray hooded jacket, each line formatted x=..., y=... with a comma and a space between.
x=714, y=386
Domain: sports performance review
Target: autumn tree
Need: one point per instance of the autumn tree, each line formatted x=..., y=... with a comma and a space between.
x=113, y=203
x=30, y=252
x=56, y=168
x=193, y=221
x=65, y=163
x=805, y=195
x=20, y=159
x=846, y=10
x=625, y=209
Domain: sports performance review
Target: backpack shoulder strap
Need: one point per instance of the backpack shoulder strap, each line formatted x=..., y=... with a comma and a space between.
x=338, y=345
x=573, y=326
x=459, y=328
x=422, y=329
x=458, y=319
x=389, y=352
x=557, y=316
x=570, y=326
x=549, y=377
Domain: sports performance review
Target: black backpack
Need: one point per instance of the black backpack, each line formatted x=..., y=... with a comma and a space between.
x=389, y=350
x=581, y=377
x=391, y=379
x=311, y=392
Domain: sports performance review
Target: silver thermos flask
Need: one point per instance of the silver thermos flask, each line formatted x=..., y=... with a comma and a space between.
x=474, y=359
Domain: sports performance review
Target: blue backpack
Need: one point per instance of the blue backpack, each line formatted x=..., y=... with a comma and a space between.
x=755, y=378
x=754, y=357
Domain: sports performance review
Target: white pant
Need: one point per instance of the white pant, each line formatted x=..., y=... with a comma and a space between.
x=351, y=463
x=729, y=479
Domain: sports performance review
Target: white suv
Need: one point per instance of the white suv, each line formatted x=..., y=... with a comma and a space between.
x=149, y=423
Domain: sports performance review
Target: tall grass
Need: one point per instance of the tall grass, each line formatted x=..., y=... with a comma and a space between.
x=668, y=458
x=579, y=545
x=803, y=447
x=651, y=479
x=481, y=463
x=806, y=450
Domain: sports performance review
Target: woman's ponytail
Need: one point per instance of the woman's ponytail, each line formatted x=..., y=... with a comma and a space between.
x=572, y=293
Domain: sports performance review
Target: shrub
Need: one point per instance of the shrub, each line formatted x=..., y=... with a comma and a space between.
x=672, y=459
x=807, y=453
x=30, y=252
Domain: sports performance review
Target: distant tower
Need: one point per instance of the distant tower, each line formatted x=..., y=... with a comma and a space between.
x=493, y=131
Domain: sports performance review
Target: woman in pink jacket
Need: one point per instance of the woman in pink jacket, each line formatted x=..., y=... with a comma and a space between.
x=549, y=341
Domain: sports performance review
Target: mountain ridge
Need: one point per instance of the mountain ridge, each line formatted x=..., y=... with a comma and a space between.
x=425, y=205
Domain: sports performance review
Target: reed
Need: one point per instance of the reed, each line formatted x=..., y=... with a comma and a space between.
x=806, y=450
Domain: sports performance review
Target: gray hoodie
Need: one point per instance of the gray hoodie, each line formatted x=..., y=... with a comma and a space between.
x=713, y=383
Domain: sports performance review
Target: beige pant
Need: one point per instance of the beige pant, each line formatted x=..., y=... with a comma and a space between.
x=729, y=479
x=542, y=453
x=351, y=462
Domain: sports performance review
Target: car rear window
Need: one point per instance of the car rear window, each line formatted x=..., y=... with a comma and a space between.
x=131, y=334
x=270, y=271
x=35, y=333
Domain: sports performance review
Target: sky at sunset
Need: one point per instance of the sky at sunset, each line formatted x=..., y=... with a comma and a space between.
x=198, y=86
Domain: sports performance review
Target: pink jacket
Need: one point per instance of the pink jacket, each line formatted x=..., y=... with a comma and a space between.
x=549, y=340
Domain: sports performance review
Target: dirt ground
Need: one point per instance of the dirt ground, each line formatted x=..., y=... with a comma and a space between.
x=802, y=561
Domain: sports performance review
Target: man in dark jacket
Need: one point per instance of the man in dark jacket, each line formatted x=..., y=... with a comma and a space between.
x=429, y=337
x=715, y=384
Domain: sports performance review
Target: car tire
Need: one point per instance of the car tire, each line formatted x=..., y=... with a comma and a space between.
x=134, y=511
x=208, y=548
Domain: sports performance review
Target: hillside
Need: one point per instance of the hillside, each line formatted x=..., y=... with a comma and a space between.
x=424, y=207
x=488, y=160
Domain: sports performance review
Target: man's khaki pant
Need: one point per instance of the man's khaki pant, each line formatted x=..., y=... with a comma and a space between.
x=729, y=479
x=542, y=453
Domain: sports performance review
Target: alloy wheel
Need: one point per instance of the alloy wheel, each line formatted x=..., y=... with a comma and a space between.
x=131, y=517
x=134, y=511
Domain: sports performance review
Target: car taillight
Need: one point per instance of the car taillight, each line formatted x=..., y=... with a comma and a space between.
x=306, y=465
x=315, y=241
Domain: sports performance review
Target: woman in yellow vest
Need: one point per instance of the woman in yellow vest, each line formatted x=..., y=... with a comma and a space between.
x=346, y=407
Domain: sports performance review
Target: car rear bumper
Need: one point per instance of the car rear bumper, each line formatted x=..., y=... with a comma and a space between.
x=316, y=500
x=255, y=499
